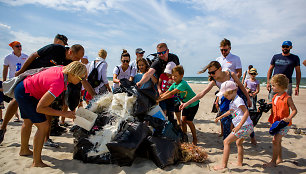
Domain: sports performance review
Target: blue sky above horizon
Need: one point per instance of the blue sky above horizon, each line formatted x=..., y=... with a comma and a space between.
x=191, y=28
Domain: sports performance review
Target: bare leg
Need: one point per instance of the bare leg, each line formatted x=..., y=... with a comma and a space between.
x=221, y=134
x=10, y=111
x=280, y=156
x=178, y=118
x=226, y=152
x=49, y=119
x=42, y=129
x=193, y=132
x=25, y=136
x=17, y=115
x=276, y=151
x=240, y=151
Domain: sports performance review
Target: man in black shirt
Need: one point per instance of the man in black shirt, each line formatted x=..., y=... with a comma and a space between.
x=159, y=65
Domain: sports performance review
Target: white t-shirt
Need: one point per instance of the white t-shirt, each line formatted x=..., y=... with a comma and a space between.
x=130, y=72
x=14, y=63
x=231, y=62
x=237, y=113
x=102, y=71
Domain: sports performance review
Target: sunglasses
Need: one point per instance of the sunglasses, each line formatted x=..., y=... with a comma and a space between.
x=18, y=46
x=125, y=61
x=212, y=72
x=285, y=46
x=163, y=52
x=253, y=74
x=223, y=50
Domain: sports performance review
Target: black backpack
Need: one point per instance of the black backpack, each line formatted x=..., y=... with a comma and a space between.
x=93, y=77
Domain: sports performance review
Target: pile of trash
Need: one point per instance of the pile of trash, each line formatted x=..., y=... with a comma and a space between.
x=123, y=131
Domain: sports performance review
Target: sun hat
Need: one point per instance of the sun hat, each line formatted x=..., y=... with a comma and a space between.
x=253, y=71
x=139, y=50
x=227, y=86
x=288, y=43
x=169, y=67
x=277, y=126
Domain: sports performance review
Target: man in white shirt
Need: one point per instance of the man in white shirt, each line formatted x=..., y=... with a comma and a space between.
x=12, y=63
x=229, y=60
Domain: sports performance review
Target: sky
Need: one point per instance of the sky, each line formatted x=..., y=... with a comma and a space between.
x=192, y=29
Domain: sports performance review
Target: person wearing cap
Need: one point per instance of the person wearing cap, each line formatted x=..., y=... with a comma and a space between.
x=285, y=63
x=164, y=83
x=253, y=87
x=159, y=65
x=243, y=125
x=229, y=60
x=13, y=63
x=139, y=54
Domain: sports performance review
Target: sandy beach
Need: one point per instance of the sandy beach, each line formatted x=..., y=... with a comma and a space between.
x=60, y=159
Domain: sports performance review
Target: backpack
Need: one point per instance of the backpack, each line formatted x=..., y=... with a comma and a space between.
x=93, y=77
x=119, y=70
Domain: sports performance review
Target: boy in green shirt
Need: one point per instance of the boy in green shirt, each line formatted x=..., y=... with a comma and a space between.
x=184, y=92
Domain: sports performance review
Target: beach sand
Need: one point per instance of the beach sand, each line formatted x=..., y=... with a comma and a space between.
x=60, y=159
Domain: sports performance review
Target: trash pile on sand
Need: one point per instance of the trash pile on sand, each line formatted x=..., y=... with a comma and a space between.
x=123, y=130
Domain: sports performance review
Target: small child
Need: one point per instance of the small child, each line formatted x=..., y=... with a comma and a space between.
x=1, y=102
x=142, y=68
x=185, y=93
x=241, y=120
x=281, y=103
x=164, y=83
x=252, y=86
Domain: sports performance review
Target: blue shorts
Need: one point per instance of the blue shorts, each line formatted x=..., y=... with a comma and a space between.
x=27, y=105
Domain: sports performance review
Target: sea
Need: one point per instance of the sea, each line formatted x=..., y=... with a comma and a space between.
x=262, y=80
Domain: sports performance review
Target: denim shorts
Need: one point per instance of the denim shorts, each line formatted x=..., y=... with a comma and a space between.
x=27, y=105
x=284, y=131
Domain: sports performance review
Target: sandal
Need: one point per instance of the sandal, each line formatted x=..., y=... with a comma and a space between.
x=17, y=120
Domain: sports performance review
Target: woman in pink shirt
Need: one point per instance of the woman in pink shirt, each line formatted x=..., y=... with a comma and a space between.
x=35, y=95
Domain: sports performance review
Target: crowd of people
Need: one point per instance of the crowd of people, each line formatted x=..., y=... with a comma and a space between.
x=35, y=94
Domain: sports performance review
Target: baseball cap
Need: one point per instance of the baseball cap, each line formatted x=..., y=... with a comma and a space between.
x=62, y=38
x=253, y=71
x=12, y=44
x=139, y=50
x=227, y=86
x=288, y=43
x=169, y=67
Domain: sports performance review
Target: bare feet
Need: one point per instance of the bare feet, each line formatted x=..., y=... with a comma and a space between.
x=270, y=164
x=195, y=141
x=40, y=164
x=279, y=161
x=219, y=167
x=25, y=152
x=239, y=164
x=253, y=141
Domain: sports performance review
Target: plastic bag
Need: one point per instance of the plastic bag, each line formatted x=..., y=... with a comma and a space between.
x=81, y=148
x=125, y=143
x=163, y=152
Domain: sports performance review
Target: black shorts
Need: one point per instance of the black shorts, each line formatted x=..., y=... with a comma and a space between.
x=190, y=112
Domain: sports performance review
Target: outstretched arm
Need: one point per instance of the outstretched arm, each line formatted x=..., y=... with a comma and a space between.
x=167, y=95
x=198, y=96
x=146, y=77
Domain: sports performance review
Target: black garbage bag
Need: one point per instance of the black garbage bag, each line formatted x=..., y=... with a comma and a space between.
x=81, y=148
x=125, y=143
x=80, y=133
x=157, y=123
x=255, y=116
x=143, y=104
x=100, y=159
x=163, y=152
x=73, y=95
x=173, y=132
